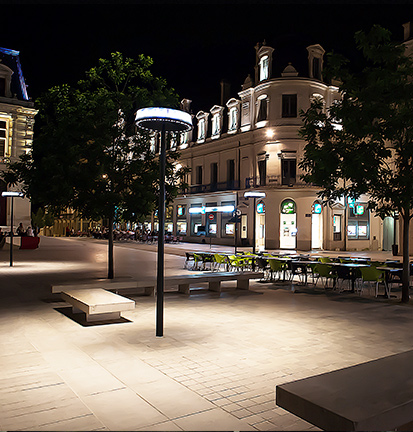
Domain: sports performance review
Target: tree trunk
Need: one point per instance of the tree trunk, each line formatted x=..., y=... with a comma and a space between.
x=110, y=249
x=406, y=258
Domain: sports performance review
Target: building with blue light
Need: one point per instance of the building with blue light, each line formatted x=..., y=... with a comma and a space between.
x=16, y=129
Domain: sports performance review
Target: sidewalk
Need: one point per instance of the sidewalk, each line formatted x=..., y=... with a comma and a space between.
x=216, y=367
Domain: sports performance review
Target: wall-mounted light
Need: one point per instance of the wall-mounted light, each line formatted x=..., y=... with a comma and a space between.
x=269, y=133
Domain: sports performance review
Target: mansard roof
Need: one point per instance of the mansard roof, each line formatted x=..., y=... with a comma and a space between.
x=10, y=58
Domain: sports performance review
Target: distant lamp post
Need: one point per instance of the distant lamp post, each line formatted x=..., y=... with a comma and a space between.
x=162, y=120
x=254, y=195
x=12, y=195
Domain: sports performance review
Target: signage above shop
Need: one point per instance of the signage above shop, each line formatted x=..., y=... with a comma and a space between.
x=204, y=209
x=260, y=208
x=317, y=208
x=288, y=207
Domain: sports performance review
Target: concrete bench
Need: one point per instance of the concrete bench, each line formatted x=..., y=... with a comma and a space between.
x=376, y=395
x=97, y=303
x=112, y=285
x=213, y=279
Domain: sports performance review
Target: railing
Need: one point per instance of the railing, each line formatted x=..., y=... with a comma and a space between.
x=271, y=181
x=214, y=187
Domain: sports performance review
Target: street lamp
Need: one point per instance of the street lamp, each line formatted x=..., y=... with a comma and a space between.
x=162, y=120
x=12, y=195
x=254, y=195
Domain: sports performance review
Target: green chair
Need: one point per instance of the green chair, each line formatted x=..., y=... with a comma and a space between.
x=198, y=259
x=371, y=274
x=276, y=267
x=325, y=260
x=236, y=263
x=219, y=261
x=324, y=271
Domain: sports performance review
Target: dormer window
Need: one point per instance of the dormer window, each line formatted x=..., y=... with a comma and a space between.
x=201, y=129
x=315, y=61
x=263, y=62
x=184, y=138
x=233, y=115
x=217, y=117
x=202, y=118
x=264, y=68
x=5, y=80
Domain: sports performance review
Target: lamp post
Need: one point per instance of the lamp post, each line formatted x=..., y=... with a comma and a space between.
x=254, y=195
x=12, y=195
x=162, y=120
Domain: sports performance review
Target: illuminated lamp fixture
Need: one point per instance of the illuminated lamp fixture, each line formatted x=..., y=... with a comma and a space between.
x=12, y=195
x=269, y=133
x=162, y=120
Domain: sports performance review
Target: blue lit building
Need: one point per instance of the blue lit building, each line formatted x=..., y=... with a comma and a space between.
x=16, y=129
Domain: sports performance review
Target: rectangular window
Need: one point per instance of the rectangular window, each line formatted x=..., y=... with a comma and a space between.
x=262, y=172
x=358, y=222
x=3, y=138
x=262, y=110
x=289, y=105
x=233, y=119
x=196, y=220
x=227, y=227
x=337, y=227
x=198, y=175
x=288, y=171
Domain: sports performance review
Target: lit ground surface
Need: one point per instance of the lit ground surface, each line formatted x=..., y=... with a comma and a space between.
x=216, y=368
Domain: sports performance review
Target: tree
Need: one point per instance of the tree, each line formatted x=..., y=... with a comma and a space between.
x=364, y=143
x=88, y=154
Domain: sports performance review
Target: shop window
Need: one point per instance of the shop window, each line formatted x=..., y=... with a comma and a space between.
x=227, y=226
x=196, y=221
x=289, y=105
x=358, y=221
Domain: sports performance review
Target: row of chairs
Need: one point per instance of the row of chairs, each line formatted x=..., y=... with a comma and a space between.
x=217, y=262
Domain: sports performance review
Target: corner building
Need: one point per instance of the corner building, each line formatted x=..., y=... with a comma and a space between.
x=251, y=144
x=16, y=131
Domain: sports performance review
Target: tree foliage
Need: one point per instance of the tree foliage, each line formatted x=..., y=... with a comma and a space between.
x=363, y=144
x=88, y=155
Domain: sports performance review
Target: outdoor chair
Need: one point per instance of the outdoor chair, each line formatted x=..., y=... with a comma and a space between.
x=276, y=267
x=190, y=261
x=325, y=271
x=343, y=274
x=236, y=263
x=198, y=259
x=207, y=259
x=299, y=270
x=219, y=261
x=325, y=260
x=262, y=265
x=372, y=275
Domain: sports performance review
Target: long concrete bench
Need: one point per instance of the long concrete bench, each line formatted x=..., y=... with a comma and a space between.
x=376, y=395
x=183, y=282
x=213, y=279
x=112, y=285
x=97, y=303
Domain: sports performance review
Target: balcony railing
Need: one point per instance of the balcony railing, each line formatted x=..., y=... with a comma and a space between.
x=214, y=187
x=274, y=181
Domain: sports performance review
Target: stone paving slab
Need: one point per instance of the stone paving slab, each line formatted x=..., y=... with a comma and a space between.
x=216, y=367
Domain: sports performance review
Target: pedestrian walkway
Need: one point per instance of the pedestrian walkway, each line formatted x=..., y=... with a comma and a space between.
x=216, y=368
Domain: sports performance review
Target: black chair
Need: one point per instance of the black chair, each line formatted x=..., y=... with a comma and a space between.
x=262, y=265
x=189, y=259
x=343, y=274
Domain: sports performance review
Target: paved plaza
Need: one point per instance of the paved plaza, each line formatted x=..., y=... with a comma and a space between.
x=216, y=368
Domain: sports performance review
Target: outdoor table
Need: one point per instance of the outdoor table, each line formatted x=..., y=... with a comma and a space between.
x=303, y=264
x=389, y=272
x=352, y=267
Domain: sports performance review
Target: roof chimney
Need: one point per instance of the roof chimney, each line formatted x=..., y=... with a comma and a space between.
x=407, y=31
x=225, y=91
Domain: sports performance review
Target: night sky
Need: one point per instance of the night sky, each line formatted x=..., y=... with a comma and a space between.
x=193, y=46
